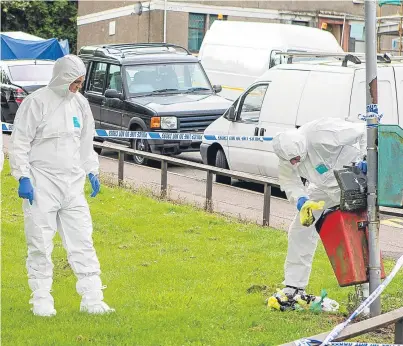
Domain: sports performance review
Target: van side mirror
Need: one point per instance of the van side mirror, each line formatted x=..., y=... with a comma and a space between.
x=231, y=114
x=113, y=94
x=217, y=88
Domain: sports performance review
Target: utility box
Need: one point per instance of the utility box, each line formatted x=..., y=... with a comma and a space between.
x=390, y=166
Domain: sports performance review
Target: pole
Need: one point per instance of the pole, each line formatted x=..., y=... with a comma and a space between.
x=165, y=21
x=401, y=29
x=372, y=151
x=342, y=33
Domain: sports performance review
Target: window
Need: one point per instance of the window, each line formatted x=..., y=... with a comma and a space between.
x=97, y=79
x=197, y=28
x=251, y=103
x=175, y=77
x=357, y=31
x=214, y=17
x=114, y=78
x=298, y=22
x=198, y=25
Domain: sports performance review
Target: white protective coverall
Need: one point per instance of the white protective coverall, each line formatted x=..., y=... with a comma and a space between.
x=323, y=145
x=1, y=152
x=52, y=145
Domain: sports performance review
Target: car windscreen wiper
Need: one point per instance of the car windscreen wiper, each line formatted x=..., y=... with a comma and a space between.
x=163, y=91
x=196, y=89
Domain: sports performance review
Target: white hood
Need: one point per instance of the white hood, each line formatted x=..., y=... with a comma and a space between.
x=65, y=71
x=290, y=144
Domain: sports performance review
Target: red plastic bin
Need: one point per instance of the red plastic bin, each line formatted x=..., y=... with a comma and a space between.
x=345, y=238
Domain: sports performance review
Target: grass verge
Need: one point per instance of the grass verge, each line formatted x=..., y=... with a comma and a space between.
x=176, y=276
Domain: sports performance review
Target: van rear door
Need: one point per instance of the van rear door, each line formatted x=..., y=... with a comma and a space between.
x=387, y=99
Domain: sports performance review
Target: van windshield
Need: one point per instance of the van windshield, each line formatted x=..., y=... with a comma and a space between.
x=166, y=78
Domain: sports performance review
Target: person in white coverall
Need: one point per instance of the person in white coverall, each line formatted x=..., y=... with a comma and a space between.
x=51, y=153
x=313, y=152
x=1, y=152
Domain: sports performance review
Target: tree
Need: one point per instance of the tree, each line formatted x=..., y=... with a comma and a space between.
x=47, y=19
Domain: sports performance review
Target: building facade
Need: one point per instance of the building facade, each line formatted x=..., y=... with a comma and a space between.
x=102, y=22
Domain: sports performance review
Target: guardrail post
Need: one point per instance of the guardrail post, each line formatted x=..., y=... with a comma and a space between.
x=164, y=178
x=266, y=204
x=209, y=192
x=399, y=332
x=121, y=168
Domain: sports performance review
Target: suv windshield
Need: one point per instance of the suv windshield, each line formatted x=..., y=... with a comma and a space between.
x=166, y=78
x=31, y=73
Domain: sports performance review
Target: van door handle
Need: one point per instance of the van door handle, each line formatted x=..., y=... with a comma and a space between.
x=256, y=131
x=262, y=131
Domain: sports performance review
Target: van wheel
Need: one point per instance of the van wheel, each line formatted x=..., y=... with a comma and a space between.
x=98, y=150
x=221, y=162
x=140, y=145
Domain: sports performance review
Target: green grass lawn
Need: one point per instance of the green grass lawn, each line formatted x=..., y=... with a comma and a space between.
x=176, y=276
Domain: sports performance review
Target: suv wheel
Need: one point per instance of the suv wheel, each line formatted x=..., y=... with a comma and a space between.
x=98, y=150
x=221, y=162
x=140, y=145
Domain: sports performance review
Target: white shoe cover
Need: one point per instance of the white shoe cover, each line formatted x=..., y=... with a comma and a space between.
x=97, y=308
x=43, y=304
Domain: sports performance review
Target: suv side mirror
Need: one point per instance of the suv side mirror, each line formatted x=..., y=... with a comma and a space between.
x=217, y=88
x=231, y=114
x=113, y=94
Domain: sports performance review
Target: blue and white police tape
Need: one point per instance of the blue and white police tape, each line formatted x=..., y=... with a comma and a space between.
x=367, y=302
x=372, y=113
x=310, y=342
x=172, y=136
x=167, y=136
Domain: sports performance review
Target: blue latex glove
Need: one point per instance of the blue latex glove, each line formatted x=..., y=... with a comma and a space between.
x=363, y=166
x=25, y=190
x=95, y=184
x=301, y=201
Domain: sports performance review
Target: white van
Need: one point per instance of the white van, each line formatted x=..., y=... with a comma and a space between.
x=289, y=96
x=235, y=54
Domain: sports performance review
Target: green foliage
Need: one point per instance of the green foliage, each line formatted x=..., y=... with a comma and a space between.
x=47, y=19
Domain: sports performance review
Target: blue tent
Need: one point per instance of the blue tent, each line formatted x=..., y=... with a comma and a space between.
x=65, y=46
x=12, y=48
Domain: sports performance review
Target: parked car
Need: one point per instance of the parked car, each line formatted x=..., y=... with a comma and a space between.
x=288, y=96
x=19, y=78
x=150, y=87
x=234, y=54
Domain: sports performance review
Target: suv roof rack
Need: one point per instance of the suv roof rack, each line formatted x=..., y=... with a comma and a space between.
x=124, y=49
x=355, y=58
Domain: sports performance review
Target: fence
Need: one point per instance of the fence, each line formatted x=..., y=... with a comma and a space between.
x=371, y=324
x=267, y=182
x=349, y=332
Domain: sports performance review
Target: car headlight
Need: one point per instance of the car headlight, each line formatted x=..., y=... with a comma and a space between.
x=169, y=123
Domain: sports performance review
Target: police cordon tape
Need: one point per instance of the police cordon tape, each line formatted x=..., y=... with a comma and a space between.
x=310, y=342
x=367, y=302
x=166, y=136
x=191, y=136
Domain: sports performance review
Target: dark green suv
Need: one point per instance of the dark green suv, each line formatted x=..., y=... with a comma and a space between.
x=150, y=87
